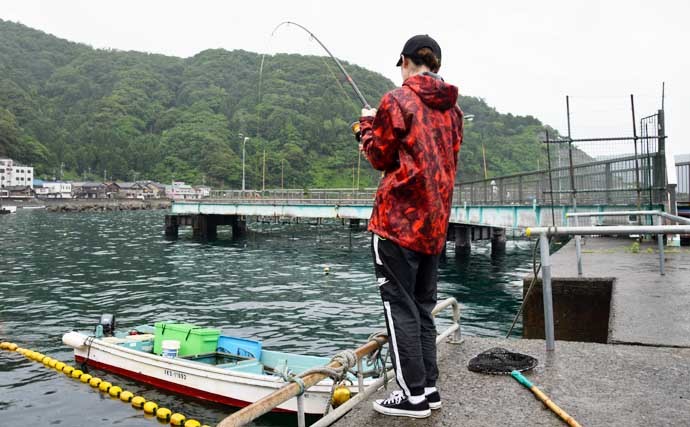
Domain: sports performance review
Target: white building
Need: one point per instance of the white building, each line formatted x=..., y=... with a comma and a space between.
x=180, y=191
x=58, y=189
x=202, y=191
x=12, y=174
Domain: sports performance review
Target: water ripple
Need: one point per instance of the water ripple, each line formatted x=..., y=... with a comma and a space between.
x=61, y=271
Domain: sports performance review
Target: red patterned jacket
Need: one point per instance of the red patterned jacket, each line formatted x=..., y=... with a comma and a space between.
x=414, y=138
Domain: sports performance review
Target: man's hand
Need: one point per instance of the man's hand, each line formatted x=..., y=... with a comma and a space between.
x=368, y=112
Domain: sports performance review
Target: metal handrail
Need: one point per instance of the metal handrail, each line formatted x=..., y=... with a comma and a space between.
x=544, y=234
x=287, y=392
x=661, y=214
x=658, y=214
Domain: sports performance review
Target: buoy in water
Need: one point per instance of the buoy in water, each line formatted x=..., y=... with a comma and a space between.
x=85, y=378
x=115, y=391
x=177, y=419
x=192, y=423
x=67, y=370
x=95, y=382
x=76, y=373
x=104, y=386
x=150, y=407
x=126, y=396
x=138, y=402
x=59, y=366
x=326, y=270
x=163, y=414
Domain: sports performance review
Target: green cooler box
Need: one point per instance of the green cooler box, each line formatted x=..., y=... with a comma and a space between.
x=193, y=339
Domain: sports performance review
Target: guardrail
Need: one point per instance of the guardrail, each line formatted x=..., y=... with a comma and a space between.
x=658, y=214
x=546, y=232
x=268, y=403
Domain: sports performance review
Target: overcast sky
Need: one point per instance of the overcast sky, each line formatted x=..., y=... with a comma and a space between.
x=522, y=57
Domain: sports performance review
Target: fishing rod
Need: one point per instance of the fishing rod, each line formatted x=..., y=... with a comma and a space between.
x=340, y=66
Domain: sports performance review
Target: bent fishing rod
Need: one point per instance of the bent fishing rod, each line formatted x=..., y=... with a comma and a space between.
x=340, y=66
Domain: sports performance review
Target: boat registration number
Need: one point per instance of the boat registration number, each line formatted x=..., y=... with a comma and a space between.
x=175, y=374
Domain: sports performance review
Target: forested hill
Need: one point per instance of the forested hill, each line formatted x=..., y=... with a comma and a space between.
x=131, y=115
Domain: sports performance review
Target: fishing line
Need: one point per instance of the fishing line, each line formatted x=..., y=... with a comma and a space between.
x=352, y=83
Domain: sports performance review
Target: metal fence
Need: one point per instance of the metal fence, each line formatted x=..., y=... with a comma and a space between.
x=622, y=171
x=331, y=196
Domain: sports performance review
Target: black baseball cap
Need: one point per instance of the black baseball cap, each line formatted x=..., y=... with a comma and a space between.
x=417, y=42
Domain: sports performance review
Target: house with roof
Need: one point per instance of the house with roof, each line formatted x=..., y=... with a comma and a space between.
x=126, y=190
x=89, y=190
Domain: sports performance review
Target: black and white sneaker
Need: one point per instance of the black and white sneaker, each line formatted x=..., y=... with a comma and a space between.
x=434, y=399
x=399, y=404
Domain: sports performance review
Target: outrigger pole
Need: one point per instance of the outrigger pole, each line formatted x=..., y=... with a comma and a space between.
x=340, y=66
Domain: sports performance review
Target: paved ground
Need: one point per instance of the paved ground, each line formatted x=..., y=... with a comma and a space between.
x=598, y=384
x=646, y=308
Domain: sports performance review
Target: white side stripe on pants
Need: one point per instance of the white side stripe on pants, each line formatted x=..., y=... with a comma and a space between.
x=394, y=343
x=376, y=250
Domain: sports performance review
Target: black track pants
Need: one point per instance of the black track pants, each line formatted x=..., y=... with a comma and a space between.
x=407, y=282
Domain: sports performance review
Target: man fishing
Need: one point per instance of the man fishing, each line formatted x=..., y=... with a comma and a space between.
x=414, y=138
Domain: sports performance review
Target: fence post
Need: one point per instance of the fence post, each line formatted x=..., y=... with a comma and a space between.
x=546, y=291
x=660, y=241
x=520, y=190
x=661, y=156
x=609, y=182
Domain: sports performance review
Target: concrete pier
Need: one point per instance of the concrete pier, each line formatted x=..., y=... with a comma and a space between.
x=634, y=371
x=645, y=307
x=597, y=384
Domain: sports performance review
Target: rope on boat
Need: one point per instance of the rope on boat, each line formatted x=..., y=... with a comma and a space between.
x=137, y=402
x=347, y=360
x=376, y=356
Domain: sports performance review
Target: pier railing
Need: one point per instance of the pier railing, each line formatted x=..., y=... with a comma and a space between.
x=331, y=196
x=293, y=389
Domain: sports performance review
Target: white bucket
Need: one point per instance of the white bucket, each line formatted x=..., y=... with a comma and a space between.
x=170, y=348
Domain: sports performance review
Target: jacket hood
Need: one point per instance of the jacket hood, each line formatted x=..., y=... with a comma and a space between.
x=433, y=91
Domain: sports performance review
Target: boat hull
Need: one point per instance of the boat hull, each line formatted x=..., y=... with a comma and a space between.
x=192, y=379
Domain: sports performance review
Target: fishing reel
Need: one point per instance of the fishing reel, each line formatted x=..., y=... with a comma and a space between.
x=356, y=131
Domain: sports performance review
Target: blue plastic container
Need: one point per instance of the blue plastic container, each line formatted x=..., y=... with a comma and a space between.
x=239, y=347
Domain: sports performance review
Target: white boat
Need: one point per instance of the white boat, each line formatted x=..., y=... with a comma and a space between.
x=220, y=377
x=34, y=207
x=7, y=209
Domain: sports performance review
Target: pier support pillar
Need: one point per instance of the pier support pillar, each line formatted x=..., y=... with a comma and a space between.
x=354, y=223
x=239, y=226
x=171, y=227
x=463, y=240
x=498, y=241
x=204, y=227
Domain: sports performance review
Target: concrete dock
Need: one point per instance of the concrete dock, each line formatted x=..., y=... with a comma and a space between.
x=597, y=384
x=646, y=307
x=639, y=375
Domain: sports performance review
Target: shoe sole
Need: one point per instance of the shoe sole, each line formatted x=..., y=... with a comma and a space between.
x=401, y=412
x=435, y=405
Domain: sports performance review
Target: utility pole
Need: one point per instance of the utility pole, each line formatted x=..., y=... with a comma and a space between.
x=244, y=144
x=263, y=178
